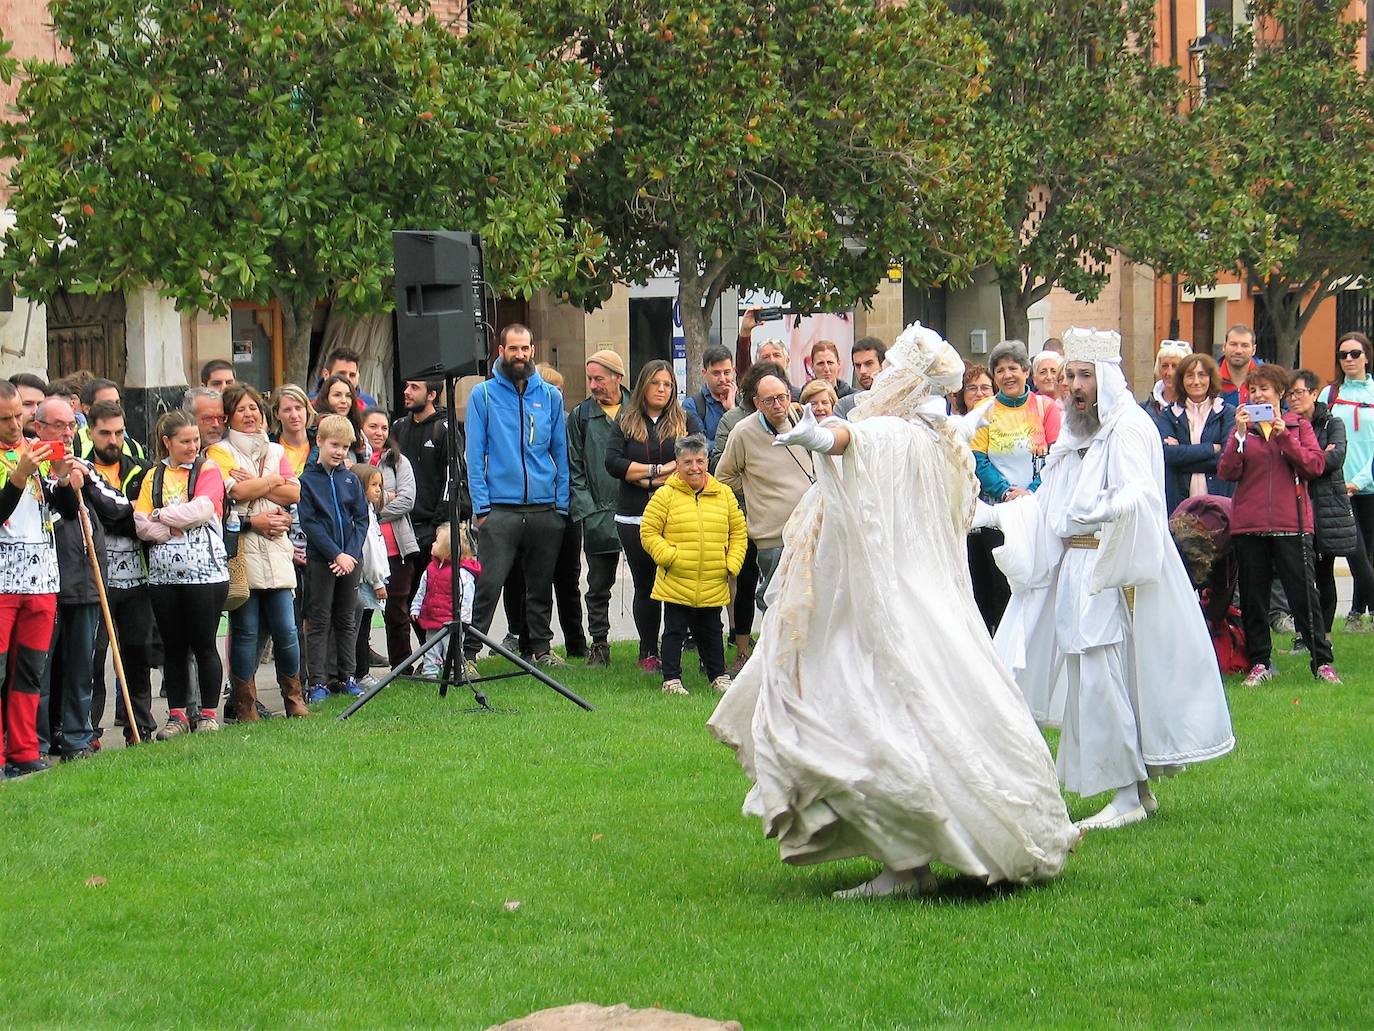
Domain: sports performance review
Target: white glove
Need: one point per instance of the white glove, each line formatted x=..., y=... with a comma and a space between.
x=808, y=434
x=1103, y=510
x=965, y=426
x=985, y=515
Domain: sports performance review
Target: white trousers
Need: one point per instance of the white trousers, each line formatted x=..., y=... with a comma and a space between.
x=1099, y=744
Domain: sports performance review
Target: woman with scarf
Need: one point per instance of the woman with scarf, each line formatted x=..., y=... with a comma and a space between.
x=260, y=487
x=1195, y=428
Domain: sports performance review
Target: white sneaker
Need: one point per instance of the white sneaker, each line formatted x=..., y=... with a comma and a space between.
x=1259, y=675
x=674, y=687
x=1109, y=819
x=722, y=683
x=1283, y=625
x=368, y=682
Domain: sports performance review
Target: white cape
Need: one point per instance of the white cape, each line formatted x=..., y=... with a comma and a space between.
x=874, y=717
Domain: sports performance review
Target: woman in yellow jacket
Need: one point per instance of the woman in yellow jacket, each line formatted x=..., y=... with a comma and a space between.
x=695, y=533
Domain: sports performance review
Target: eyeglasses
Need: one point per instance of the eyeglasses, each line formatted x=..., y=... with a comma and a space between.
x=59, y=425
x=1298, y=392
x=1350, y=354
x=776, y=399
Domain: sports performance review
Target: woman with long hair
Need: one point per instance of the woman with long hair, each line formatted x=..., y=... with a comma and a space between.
x=179, y=511
x=640, y=454
x=338, y=396
x=1350, y=398
x=398, y=500
x=262, y=488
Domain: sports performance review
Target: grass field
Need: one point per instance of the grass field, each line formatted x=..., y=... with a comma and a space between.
x=318, y=874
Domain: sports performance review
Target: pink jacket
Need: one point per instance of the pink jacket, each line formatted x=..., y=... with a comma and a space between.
x=1271, y=478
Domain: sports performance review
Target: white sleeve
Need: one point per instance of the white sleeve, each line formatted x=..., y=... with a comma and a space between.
x=419, y=598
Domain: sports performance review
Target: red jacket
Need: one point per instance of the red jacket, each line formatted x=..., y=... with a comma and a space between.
x=1271, y=478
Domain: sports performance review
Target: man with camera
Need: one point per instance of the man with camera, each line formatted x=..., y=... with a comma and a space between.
x=770, y=480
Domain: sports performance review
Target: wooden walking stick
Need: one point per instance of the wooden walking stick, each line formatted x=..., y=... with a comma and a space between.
x=131, y=723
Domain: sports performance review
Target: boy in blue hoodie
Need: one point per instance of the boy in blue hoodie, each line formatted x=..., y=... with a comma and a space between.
x=333, y=515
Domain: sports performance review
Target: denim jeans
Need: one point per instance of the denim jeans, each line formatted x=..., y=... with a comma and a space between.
x=277, y=610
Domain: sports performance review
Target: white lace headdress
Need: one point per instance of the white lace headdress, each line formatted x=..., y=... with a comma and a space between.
x=919, y=366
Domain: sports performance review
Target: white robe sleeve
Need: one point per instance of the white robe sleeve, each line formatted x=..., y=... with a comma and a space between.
x=1132, y=549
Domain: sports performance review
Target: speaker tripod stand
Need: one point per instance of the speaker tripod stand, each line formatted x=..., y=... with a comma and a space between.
x=456, y=632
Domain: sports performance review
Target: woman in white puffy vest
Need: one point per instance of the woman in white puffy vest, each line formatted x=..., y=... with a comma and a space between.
x=260, y=488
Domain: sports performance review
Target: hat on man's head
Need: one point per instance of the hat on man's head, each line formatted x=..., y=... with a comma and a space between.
x=1092, y=345
x=609, y=360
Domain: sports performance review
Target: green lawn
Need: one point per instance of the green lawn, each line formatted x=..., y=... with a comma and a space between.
x=319, y=874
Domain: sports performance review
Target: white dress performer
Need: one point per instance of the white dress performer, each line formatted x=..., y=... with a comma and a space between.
x=1103, y=633
x=874, y=717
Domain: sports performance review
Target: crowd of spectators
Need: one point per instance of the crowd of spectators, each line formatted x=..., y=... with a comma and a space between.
x=305, y=513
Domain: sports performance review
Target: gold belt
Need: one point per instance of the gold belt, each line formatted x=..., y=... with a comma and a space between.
x=1085, y=541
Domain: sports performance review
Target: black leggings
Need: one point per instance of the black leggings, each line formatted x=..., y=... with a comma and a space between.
x=1360, y=572
x=647, y=612
x=1363, y=507
x=746, y=586
x=188, y=618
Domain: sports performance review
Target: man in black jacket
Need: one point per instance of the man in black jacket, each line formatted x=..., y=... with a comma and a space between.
x=422, y=436
x=67, y=708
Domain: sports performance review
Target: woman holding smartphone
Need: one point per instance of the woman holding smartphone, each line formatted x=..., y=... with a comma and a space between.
x=1271, y=456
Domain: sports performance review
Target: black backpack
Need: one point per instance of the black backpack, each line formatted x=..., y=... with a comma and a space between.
x=158, y=476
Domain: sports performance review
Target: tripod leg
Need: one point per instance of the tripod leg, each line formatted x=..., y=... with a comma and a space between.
x=377, y=688
x=529, y=668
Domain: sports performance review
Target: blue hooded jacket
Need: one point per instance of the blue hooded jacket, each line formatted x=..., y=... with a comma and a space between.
x=333, y=512
x=517, y=446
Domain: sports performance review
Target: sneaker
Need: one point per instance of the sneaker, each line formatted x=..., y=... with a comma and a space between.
x=650, y=664
x=175, y=725
x=550, y=661
x=368, y=683
x=722, y=683
x=1299, y=647
x=1357, y=623
x=15, y=770
x=511, y=643
x=1283, y=624
x=264, y=713
x=89, y=753
x=316, y=694
x=350, y=687
x=734, y=669
x=599, y=654
x=470, y=670
x=1259, y=674
x=1327, y=674
x=674, y=687
x=205, y=725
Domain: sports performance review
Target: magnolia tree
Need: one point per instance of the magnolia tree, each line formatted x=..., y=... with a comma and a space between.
x=1084, y=131
x=798, y=146
x=1288, y=94
x=264, y=150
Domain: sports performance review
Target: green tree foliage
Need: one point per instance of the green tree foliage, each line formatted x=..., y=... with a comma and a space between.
x=1287, y=94
x=1083, y=130
x=265, y=149
x=796, y=146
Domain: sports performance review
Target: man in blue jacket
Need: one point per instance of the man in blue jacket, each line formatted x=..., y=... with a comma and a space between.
x=517, y=454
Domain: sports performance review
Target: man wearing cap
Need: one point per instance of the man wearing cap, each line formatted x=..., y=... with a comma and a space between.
x=593, y=491
x=1103, y=633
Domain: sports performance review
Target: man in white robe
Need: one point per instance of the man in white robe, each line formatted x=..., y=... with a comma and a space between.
x=1103, y=633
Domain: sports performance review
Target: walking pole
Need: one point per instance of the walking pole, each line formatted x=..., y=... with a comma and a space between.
x=132, y=723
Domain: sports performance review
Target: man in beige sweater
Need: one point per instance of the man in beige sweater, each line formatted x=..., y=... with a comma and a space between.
x=769, y=480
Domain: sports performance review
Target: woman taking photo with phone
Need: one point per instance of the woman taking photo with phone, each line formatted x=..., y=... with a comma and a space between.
x=1271, y=457
x=1351, y=399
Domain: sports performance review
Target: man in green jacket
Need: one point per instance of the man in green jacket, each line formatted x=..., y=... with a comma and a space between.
x=593, y=491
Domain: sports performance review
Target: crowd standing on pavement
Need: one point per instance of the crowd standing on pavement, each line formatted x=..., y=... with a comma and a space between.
x=304, y=513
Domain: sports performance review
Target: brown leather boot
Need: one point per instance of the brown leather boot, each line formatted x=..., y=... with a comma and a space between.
x=245, y=697
x=291, y=695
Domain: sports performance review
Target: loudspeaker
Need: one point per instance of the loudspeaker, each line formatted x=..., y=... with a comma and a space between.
x=440, y=310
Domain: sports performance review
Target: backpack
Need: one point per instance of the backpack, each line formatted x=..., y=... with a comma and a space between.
x=1334, y=398
x=159, y=476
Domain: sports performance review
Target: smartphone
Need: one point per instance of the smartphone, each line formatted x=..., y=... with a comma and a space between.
x=767, y=314
x=1260, y=413
x=57, y=450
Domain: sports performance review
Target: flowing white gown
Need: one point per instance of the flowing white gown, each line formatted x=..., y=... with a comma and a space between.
x=874, y=717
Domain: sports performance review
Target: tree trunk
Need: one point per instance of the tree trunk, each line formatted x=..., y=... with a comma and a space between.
x=1015, y=310
x=691, y=299
x=297, y=320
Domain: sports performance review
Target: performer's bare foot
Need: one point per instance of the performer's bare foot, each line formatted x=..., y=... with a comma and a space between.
x=1148, y=802
x=893, y=882
x=1122, y=811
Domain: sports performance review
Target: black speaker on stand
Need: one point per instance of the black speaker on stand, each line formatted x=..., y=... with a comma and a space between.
x=441, y=333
